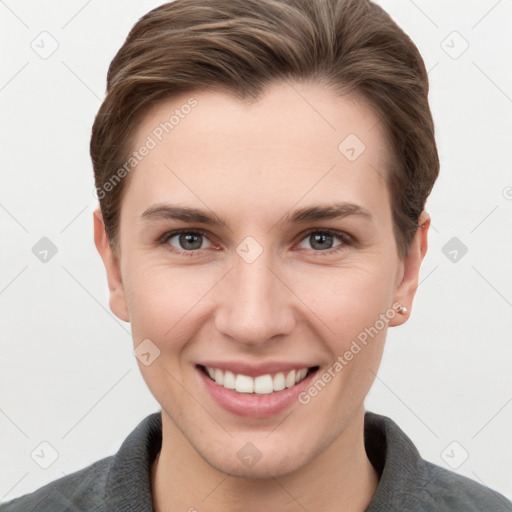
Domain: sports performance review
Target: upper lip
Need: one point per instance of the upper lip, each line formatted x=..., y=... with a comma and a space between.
x=253, y=369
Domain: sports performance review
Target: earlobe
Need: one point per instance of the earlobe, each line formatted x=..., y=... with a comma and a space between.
x=117, y=299
x=406, y=290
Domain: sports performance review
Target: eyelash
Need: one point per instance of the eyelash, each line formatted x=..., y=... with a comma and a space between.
x=345, y=238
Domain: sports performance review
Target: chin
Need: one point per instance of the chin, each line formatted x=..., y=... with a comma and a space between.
x=274, y=467
x=244, y=460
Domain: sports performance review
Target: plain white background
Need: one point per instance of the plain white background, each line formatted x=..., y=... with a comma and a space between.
x=68, y=374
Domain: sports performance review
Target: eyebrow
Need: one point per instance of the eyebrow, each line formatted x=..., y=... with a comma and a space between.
x=301, y=216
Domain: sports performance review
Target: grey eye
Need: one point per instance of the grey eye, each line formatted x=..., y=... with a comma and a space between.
x=187, y=240
x=321, y=240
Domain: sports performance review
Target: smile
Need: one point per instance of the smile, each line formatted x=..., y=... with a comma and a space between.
x=261, y=385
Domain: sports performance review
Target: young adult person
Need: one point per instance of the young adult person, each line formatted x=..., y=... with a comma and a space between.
x=262, y=168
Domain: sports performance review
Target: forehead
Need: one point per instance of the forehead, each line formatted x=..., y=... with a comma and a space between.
x=297, y=139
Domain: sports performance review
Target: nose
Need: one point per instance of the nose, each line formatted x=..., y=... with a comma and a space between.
x=256, y=304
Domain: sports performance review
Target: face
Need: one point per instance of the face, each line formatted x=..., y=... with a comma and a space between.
x=257, y=253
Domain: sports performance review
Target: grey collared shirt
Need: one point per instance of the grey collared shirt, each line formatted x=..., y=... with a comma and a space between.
x=122, y=482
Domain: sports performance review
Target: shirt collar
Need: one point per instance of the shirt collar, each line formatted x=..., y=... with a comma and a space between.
x=128, y=485
x=391, y=452
x=395, y=458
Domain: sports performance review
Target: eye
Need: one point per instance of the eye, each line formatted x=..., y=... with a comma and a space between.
x=325, y=240
x=190, y=242
x=186, y=241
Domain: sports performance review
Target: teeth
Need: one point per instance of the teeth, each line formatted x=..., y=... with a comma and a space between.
x=229, y=380
x=219, y=377
x=300, y=374
x=261, y=385
x=290, y=379
x=243, y=384
x=279, y=383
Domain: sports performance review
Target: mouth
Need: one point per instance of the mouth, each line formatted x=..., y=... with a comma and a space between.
x=263, y=384
x=255, y=390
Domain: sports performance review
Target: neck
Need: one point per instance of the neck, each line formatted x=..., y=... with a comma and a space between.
x=341, y=474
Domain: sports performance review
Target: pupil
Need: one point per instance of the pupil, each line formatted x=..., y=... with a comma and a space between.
x=190, y=241
x=321, y=239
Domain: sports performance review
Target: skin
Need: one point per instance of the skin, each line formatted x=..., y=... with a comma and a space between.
x=251, y=164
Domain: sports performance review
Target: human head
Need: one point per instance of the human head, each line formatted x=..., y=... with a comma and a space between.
x=242, y=46
x=247, y=158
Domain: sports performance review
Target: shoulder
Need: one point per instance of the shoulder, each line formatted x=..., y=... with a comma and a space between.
x=446, y=490
x=81, y=490
x=408, y=482
x=120, y=482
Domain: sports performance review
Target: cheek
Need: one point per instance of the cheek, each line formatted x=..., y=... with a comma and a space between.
x=168, y=304
x=165, y=304
x=164, y=301
x=350, y=302
x=346, y=299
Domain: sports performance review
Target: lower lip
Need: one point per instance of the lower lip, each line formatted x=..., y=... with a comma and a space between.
x=253, y=405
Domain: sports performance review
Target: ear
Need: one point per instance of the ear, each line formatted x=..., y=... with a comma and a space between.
x=408, y=285
x=117, y=299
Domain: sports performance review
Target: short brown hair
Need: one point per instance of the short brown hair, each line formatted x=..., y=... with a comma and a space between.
x=242, y=46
